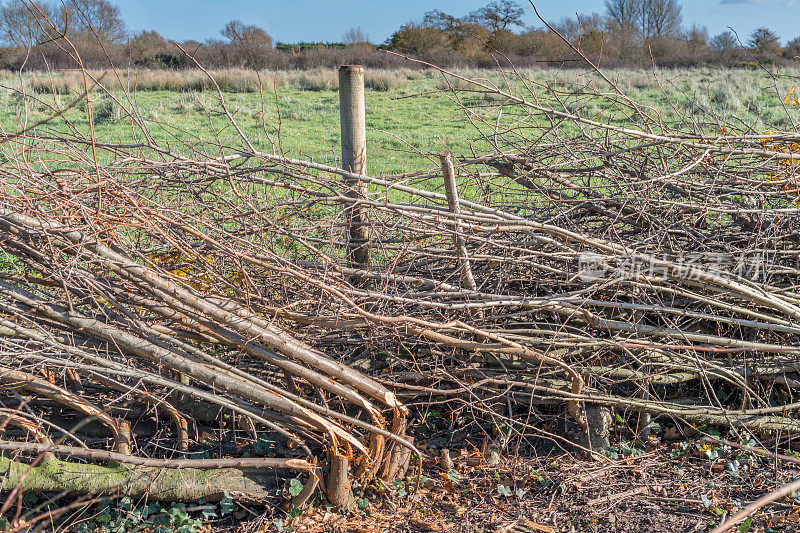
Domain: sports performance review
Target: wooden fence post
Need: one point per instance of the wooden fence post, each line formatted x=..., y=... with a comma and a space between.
x=465, y=270
x=352, y=112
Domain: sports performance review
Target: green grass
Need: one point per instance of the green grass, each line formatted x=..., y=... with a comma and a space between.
x=299, y=114
x=298, y=122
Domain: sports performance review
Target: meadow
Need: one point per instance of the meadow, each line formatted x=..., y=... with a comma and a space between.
x=411, y=114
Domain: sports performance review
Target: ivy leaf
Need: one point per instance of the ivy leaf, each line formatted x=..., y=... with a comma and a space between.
x=178, y=515
x=226, y=504
x=745, y=526
x=504, y=490
x=705, y=500
x=295, y=487
x=147, y=510
x=453, y=476
x=125, y=503
x=733, y=468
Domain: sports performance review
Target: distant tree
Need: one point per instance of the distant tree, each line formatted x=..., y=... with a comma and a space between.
x=150, y=49
x=632, y=21
x=439, y=20
x=542, y=44
x=697, y=35
x=792, y=49
x=593, y=39
x=498, y=15
x=252, y=46
x=591, y=22
x=355, y=36
x=146, y=42
x=21, y=24
x=91, y=20
x=659, y=18
x=724, y=42
x=569, y=28
x=418, y=39
x=585, y=31
x=696, y=39
x=624, y=13
x=469, y=39
x=191, y=45
x=238, y=32
x=623, y=20
x=468, y=35
x=505, y=41
x=764, y=41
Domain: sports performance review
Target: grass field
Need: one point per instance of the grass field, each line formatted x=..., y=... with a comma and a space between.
x=410, y=114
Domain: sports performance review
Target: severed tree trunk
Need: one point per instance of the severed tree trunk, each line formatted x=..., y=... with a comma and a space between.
x=164, y=484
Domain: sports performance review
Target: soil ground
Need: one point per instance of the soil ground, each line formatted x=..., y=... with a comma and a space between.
x=683, y=486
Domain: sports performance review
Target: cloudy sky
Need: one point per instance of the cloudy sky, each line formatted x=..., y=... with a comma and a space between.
x=327, y=20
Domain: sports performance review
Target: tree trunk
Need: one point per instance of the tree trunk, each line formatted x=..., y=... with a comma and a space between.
x=156, y=483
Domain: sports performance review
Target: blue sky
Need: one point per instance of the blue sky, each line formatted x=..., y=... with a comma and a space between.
x=327, y=20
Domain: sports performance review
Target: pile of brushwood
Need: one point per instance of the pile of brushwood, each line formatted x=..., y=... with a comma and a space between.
x=594, y=260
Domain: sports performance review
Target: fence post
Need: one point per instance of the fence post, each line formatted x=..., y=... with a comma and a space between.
x=352, y=111
x=451, y=190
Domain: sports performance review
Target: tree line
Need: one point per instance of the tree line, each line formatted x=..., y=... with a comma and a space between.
x=37, y=35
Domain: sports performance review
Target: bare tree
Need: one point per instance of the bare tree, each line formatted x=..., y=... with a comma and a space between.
x=792, y=49
x=623, y=18
x=20, y=23
x=355, y=36
x=660, y=18
x=624, y=13
x=696, y=39
x=570, y=28
x=647, y=19
x=498, y=15
x=586, y=31
x=245, y=34
x=91, y=20
x=237, y=31
x=253, y=43
x=439, y=20
x=723, y=42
